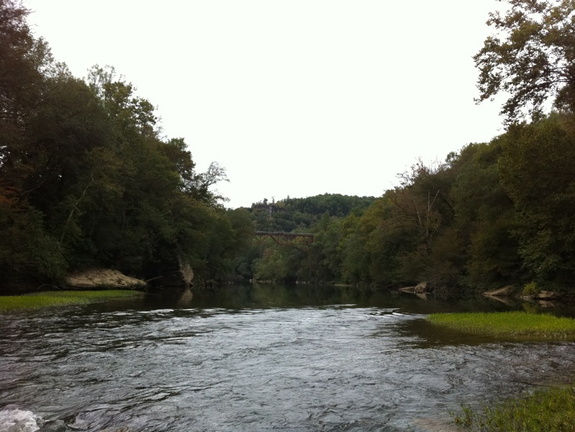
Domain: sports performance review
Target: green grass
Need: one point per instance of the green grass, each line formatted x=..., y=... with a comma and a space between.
x=60, y=298
x=507, y=324
x=551, y=410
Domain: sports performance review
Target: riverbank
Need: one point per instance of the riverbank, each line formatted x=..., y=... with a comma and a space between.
x=551, y=409
x=61, y=298
x=543, y=410
x=515, y=324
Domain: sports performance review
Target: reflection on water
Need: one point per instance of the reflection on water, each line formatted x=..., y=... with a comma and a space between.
x=266, y=296
x=260, y=358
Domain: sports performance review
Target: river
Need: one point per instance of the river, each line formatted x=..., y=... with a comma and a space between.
x=262, y=358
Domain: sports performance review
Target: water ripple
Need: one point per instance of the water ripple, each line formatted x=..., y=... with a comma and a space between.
x=302, y=369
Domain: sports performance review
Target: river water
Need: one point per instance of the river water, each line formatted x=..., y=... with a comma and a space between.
x=262, y=358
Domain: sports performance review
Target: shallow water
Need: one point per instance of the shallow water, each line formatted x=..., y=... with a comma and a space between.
x=260, y=361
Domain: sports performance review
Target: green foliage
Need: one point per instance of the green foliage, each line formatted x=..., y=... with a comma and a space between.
x=530, y=289
x=324, y=262
x=332, y=219
x=550, y=410
x=22, y=59
x=354, y=267
x=60, y=298
x=530, y=57
x=303, y=213
x=86, y=180
x=28, y=254
x=484, y=217
x=272, y=266
x=537, y=169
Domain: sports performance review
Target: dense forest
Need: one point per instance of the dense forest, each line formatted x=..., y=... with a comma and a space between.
x=87, y=180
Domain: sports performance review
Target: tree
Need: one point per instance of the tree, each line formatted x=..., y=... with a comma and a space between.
x=21, y=61
x=200, y=188
x=485, y=218
x=538, y=172
x=422, y=201
x=387, y=240
x=531, y=57
x=133, y=115
x=28, y=252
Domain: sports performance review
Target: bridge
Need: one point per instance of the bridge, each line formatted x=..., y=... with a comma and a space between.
x=287, y=239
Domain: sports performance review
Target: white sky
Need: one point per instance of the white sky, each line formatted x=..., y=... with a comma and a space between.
x=293, y=97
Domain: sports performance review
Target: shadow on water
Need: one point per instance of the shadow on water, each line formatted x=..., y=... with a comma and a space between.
x=431, y=336
x=263, y=296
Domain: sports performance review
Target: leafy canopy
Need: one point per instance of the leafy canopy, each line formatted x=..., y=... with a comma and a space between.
x=530, y=57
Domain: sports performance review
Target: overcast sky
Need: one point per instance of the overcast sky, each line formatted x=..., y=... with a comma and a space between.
x=292, y=97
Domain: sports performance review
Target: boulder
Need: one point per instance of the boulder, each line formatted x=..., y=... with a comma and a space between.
x=103, y=279
x=420, y=288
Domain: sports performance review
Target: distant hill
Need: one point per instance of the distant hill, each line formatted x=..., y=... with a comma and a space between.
x=300, y=214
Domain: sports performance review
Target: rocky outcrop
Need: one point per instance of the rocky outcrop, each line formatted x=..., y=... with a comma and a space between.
x=172, y=279
x=420, y=288
x=103, y=279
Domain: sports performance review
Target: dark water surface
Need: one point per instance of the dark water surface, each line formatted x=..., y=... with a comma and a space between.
x=261, y=358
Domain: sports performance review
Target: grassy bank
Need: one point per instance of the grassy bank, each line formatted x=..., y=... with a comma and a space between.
x=546, y=410
x=60, y=298
x=551, y=410
x=521, y=325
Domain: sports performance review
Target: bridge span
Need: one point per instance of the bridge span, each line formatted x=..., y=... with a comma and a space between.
x=288, y=238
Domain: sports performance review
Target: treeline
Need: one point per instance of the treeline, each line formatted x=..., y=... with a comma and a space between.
x=491, y=215
x=87, y=180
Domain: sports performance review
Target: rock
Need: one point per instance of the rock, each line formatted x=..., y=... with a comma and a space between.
x=420, y=288
x=173, y=278
x=103, y=279
x=507, y=291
